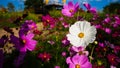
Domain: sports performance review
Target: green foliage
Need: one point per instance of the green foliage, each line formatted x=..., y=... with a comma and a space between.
x=55, y=13
x=32, y=16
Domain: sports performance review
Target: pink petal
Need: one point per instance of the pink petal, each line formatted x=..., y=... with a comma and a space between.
x=68, y=60
x=93, y=10
x=87, y=5
x=71, y=65
x=30, y=35
x=23, y=49
x=83, y=59
x=70, y=4
x=86, y=65
x=76, y=59
x=31, y=45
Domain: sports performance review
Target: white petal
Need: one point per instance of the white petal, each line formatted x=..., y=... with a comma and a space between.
x=74, y=29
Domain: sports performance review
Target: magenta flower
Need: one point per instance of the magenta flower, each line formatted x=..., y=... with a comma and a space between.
x=108, y=30
x=78, y=61
x=31, y=25
x=116, y=49
x=64, y=54
x=113, y=59
x=57, y=67
x=24, y=43
x=70, y=9
x=101, y=44
x=79, y=50
x=88, y=6
x=44, y=56
x=66, y=25
x=29, y=43
x=107, y=20
x=65, y=42
x=49, y=21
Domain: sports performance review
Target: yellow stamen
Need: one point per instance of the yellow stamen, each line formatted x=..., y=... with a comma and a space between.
x=71, y=10
x=77, y=66
x=24, y=41
x=44, y=56
x=99, y=63
x=95, y=42
x=32, y=26
x=48, y=20
x=80, y=53
x=81, y=35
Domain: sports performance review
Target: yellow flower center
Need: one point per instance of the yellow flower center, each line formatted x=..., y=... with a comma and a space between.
x=77, y=66
x=80, y=52
x=71, y=10
x=44, y=56
x=99, y=63
x=32, y=27
x=81, y=35
x=24, y=41
x=48, y=20
x=112, y=59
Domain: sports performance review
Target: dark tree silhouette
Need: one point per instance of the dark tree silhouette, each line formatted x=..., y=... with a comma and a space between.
x=10, y=7
x=112, y=8
x=34, y=4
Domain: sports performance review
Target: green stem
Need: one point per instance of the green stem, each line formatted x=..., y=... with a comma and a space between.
x=92, y=53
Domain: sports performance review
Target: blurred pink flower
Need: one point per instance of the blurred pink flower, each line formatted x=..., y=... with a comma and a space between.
x=108, y=30
x=64, y=54
x=113, y=59
x=49, y=21
x=70, y=9
x=101, y=44
x=57, y=67
x=44, y=56
x=116, y=49
x=107, y=20
x=66, y=25
x=88, y=6
x=78, y=61
x=65, y=42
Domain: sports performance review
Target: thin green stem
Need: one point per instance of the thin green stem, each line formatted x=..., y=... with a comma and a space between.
x=92, y=53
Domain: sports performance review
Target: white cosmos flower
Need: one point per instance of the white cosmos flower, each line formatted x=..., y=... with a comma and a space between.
x=81, y=33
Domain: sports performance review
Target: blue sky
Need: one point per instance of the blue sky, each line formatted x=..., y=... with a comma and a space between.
x=99, y=4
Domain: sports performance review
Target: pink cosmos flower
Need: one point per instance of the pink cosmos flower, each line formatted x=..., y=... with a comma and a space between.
x=29, y=43
x=113, y=59
x=70, y=9
x=64, y=54
x=24, y=43
x=66, y=25
x=108, y=30
x=107, y=20
x=49, y=21
x=116, y=49
x=57, y=67
x=65, y=42
x=101, y=44
x=88, y=6
x=44, y=56
x=78, y=61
